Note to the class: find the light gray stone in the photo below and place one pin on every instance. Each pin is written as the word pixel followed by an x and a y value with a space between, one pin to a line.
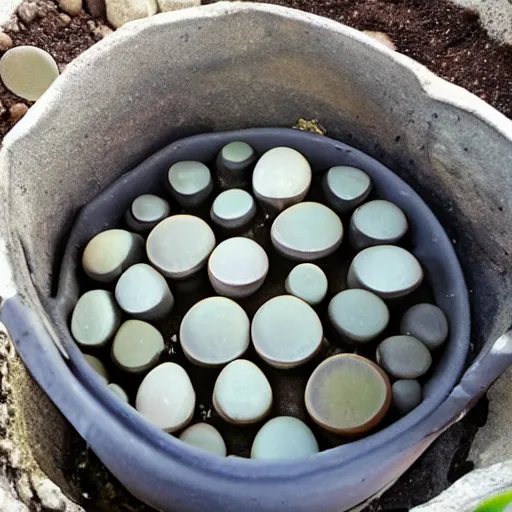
pixel 174 5
pixel 120 12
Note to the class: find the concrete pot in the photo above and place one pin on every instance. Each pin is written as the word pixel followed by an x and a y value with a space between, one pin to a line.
pixel 232 66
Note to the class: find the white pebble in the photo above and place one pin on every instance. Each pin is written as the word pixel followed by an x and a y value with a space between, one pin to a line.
pixel 286 332
pixel 215 331
pixel 205 437
pixel 385 270
pixel 237 267
pixel 307 282
pixel 233 209
pixel 242 393
pixel 191 183
pixel 166 397
pixel 119 391
pixel 143 293
pixel 98 367
pixel 180 245
pixel 284 438
pixel 95 319
pixel 377 223
pixel 110 253
pixel 358 315
pixel 307 232
pixel 147 211
pixel 28 71
pixel 345 187
pixel 282 177
pixel 137 346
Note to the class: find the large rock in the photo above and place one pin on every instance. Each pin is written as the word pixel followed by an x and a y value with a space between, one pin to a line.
pixel 120 12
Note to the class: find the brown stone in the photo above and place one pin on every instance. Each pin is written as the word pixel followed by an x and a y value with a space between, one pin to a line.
pixel 28 12
pixel 5 42
pixel 96 8
pixel 17 111
pixel 71 7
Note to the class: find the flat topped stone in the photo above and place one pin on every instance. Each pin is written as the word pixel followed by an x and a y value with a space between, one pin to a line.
pixel 242 393
pixel 215 331
pixel 143 293
pixel 119 392
pixel 28 71
pixel 348 394
pixel 307 282
pixel 345 187
pixel 282 177
pixel 110 253
pixel 234 164
pixel 237 154
pixel 149 209
pixel 358 315
pixel 205 437
pixel 286 332
pixel 407 395
pixel 404 357
pixel 386 270
pixel 95 319
pixel 427 323
pixel 377 223
pixel 190 182
pixel 98 367
pixel 137 346
pixel 307 231
pixel 284 438
pixel 237 267
pixel 166 397
pixel 179 246
pixel 233 208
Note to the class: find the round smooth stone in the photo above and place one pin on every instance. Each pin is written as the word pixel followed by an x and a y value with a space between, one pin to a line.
pixel 110 253
pixel 98 367
pixel 377 223
pixel 284 438
pixel 242 394
pixel 404 357
pixel 286 332
pixel 143 293
pixel 427 323
pixel 385 270
pixel 282 177
pixel 233 208
pixel 307 282
pixel 407 395
pixel 119 391
pixel 166 397
pixel 180 245
pixel 306 232
pixel 214 332
pixel 28 71
pixel 234 164
pixel 348 394
pixel 358 315
pixel 237 267
pixel 95 319
pixel 146 212
pixel 205 437
pixel 190 182
pixel 345 187
pixel 137 346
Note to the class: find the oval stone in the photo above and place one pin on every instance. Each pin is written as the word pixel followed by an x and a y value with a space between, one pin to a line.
pixel 242 393
pixel 407 395
pixel 385 270
pixel 427 323
pixel 143 293
pixel 234 164
pixel 348 394
pixel 345 187
pixel 166 397
pixel 110 253
pixel 190 183
pixel 214 332
pixel 137 346
pixel 119 392
pixel 95 319
pixel 307 282
pixel 286 332
pixel 146 212
pixel 233 209
pixel 237 267
pixel 282 177
pixel 306 232
pixel 179 246
pixel 404 357
pixel 98 367
pixel 358 315
pixel 205 437
pixel 284 438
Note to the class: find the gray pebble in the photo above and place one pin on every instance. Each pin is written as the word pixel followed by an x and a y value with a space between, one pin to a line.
pixel 407 395
pixel 426 322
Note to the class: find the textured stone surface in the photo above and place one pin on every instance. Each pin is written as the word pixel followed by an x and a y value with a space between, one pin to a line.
pixel 120 12
pixel 173 5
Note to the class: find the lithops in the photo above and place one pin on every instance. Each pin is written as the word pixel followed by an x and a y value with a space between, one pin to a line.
pixel 190 183
pixel 233 209
pixel 307 282
pixel 345 187
pixel 205 437
pixel 234 164
pixel 427 323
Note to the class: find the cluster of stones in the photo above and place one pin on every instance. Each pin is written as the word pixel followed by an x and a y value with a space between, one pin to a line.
pixel 346 394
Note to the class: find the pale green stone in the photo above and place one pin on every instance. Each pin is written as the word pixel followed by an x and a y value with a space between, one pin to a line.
pixel 119 392
pixel 345 187
pixel 205 437
pixel 98 367
pixel 307 282
pixel 233 208
pixel 150 208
